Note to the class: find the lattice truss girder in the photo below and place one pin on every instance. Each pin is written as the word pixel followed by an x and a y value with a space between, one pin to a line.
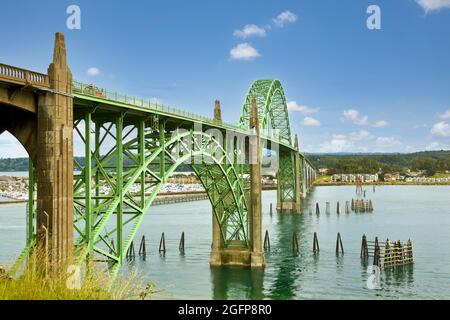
pixel 272 110
pixel 127 161
pixel 286 176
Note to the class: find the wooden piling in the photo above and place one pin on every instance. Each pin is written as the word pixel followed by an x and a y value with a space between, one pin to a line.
pixel 295 246
pixel 316 248
pixel 376 253
pixel 353 205
pixel 364 248
pixel 317 208
pixel 271 208
pixel 181 245
pixel 267 241
pixel 131 254
pixel 339 246
pixel 347 207
pixel 338 209
pixel 162 244
pixel 142 250
pixel 327 208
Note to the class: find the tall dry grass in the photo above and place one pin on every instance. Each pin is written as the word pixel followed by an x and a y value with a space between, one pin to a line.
pixel 34 283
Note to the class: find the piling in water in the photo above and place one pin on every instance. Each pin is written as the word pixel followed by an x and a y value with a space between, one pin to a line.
pixel 267 241
pixel 162 244
pixel 317 208
pixel 338 209
pixel 295 246
pixel 271 208
pixel 181 246
pixel 131 254
pixel 327 208
pixel 316 248
pixel 347 207
pixel 376 254
pixel 142 250
pixel 339 246
pixel 353 205
pixel 364 248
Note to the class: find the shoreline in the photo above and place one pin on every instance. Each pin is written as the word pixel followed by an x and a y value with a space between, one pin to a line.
pixel 390 183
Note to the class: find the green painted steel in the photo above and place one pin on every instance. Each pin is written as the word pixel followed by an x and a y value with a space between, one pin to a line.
pixel 131 148
pixel 272 110
pixel 131 171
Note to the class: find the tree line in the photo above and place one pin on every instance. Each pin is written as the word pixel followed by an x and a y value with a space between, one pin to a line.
pixel 429 162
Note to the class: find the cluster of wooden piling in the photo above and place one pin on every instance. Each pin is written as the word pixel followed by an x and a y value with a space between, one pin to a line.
pixel 361 205
pixel 131 253
pixel 388 255
pixel 356 205
pixel 179 198
pixel 315 246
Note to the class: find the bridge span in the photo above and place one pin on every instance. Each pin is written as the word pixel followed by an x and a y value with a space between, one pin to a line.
pixel 131 147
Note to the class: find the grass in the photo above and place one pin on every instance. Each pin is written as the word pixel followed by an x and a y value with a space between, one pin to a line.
pixel 34 284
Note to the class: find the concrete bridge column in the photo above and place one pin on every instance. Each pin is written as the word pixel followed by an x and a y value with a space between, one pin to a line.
pixel 216 247
pixel 298 191
pixel 255 221
pixel 55 161
pixel 238 253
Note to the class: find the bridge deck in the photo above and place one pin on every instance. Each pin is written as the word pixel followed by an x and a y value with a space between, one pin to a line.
pixel 22 77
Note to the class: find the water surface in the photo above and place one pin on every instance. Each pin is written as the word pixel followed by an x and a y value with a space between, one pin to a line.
pixel 421 213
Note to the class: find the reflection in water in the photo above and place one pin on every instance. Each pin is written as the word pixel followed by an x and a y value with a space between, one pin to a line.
pixel 237 283
pixel 401 277
pixel 401 212
pixel 287 266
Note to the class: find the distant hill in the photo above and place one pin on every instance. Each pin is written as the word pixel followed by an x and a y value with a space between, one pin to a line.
pixel 431 161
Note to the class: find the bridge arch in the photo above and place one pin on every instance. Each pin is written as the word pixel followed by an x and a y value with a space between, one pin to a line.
pixel 272 109
pixel 154 161
pixel 23 126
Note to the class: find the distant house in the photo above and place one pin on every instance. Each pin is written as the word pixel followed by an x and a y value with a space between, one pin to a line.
pixel 392 177
pixel 353 178
pixel 323 171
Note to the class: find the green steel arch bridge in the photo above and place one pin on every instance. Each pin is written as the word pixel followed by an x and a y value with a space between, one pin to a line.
pixel 92 206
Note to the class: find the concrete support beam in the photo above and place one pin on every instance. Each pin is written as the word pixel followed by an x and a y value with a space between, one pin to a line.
pixel 55 161
pixel 255 223
pixel 216 247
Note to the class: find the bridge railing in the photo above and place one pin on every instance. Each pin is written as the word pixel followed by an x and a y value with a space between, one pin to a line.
pixel 146 104
pixel 23 76
pixel 91 90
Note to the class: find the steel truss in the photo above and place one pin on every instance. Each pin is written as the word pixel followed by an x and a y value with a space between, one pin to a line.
pixel 127 161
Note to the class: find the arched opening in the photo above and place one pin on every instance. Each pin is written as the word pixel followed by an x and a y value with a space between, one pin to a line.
pixel 16 213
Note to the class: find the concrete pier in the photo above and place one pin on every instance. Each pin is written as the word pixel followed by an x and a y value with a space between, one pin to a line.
pixel 55 161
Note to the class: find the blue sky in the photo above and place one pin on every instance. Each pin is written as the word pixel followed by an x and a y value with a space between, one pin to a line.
pixel 349 88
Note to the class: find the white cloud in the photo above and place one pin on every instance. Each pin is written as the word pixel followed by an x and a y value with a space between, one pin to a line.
pixel 436 146
pixel 433 5
pixel 380 124
pixel 355 117
pixel 295 107
pixel 347 143
pixel 387 143
pixel 337 143
pixel 445 115
pixel 441 129
pixel 285 17
pixel 244 51
pixel 361 135
pixel 93 72
pixel 311 122
pixel 249 31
